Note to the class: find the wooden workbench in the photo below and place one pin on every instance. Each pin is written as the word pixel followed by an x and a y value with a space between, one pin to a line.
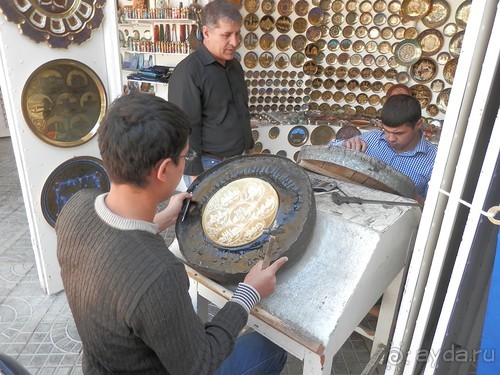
pixel 356 252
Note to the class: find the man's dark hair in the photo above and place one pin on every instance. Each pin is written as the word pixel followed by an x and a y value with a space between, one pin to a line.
pixel 136 132
pixel 401 110
pixel 220 10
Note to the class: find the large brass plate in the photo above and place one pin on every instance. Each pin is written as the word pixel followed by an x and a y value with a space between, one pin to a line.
pixel 63 102
pixel 407 52
pixel 57 22
pixel 238 213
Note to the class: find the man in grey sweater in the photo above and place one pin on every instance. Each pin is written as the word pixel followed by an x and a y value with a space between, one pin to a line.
pixel 127 292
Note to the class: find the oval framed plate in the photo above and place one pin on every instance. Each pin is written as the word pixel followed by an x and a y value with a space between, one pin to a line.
pixel 63 102
pixel 82 172
pixel 298 136
pixel 438 15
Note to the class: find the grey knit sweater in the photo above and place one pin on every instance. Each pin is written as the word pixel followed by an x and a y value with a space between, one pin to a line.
pixel 129 297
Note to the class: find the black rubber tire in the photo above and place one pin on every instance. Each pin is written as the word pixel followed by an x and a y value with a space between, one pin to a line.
pixel 296 216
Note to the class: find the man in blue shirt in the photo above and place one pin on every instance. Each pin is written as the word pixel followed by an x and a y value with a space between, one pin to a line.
pixel 401 142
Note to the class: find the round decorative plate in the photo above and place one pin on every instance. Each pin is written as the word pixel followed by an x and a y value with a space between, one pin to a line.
pixel 301 8
pixel 424 70
pixel 250 41
pixel 438 15
pixel 414 10
pixel 300 25
pixel 456 43
pixel 268 6
pixel 266 41
pixel 462 14
pixel 283 195
pixel 322 135
pixel 437 85
pixel 422 93
pixel 282 61
pixel 251 22
pixel 407 52
pixel 283 24
pixel 315 16
pixel 83 172
pixel 57 22
pixel 431 41
pixel 250 60
pixel 283 42
pixel 285 7
pixel 298 136
pixel 313 33
pixel 251 6
pixel 63 102
pixel 299 42
pixel 442 99
pixel 266 59
pixel 267 23
pixel 450 29
pixel 449 70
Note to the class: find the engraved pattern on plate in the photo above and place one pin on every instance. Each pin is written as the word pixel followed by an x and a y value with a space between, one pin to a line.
pixel 238 213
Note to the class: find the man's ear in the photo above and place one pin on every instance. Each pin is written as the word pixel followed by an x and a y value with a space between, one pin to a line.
pixel 419 124
pixel 163 170
pixel 204 32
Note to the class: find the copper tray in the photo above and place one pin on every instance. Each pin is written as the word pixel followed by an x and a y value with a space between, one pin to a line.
pixel 63 102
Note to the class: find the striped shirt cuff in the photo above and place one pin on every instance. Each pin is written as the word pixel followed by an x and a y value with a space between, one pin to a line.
pixel 246 295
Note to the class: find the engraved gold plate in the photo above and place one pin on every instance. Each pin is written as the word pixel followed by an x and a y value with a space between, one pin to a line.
pixel 442 99
pixel 437 85
pixel 358 46
pixel 386 33
pixel 462 14
pixel 456 41
pixel 365 18
pixel 268 6
pixel 438 15
pixel 338 19
pixel 411 33
pixel 283 24
pixel 266 59
pixel 251 6
pixel 450 29
pixel 449 70
pixel 282 60
pixel 63 102
pixel 337 6
pixel 266 41
pixel 301 8
pixel 250 60
pixel 274 132
pixel 238 213
pixel 365 6
pixel 299 42
pixel 283 42
pixel 57 22
pixel 407 52
pixel 432 110
pixel 356 59
pixel 351 5
pixel 379 19
pixel 329 71
pixel 431 41
pixel 315 16
pixel 393 20
pixel 379 6
pixel 422 93
pixel 394 6
pixel 414 10
pixel 250 41
pixel 313 33
pixel 285 7
pixel 267 23
pixel 251 22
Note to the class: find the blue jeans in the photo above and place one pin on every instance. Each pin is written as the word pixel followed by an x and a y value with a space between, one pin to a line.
pixel 253 354
pixel 207 162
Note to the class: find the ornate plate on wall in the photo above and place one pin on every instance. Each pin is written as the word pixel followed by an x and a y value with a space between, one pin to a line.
pixel 83 172
pixel 424 70
pixel 57 22
pixel 63 102
pixel 407 52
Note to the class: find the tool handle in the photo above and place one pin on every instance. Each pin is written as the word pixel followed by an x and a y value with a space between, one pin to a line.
pixel 267 254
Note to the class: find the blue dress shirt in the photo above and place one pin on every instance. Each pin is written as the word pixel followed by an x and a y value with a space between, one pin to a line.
pixel 417 163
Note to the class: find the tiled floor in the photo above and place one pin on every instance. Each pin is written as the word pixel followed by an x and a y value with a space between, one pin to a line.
pixel 38 330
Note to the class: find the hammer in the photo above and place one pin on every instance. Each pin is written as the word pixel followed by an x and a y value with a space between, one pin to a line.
pixel 269 249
